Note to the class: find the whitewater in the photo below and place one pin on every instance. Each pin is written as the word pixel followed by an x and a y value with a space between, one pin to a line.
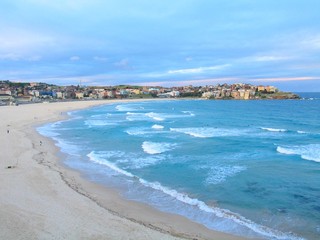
pixel 249 168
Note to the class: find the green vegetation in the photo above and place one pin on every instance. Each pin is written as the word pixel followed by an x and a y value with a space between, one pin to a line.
pixel 191 94
pixel 136 96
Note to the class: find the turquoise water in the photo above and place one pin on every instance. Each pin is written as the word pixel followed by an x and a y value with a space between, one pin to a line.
pixel 251 168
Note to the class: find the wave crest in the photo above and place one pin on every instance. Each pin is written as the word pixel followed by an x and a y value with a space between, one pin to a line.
pixel 274 129
pixel 208 132
pixel 184 198
pixel 156 147
pixel 156 126
pixel 309 152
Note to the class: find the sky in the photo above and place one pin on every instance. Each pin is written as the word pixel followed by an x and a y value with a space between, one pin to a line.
pixel 163 42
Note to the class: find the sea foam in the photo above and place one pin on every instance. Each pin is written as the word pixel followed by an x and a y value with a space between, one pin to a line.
pixel 184 198
pixel 208 132
pixel 156 147
pixel 301 132
pixel 219 174
pixel 156 126
pixel 308 152
pixel 68 147
pixel 100 160
pixel 155 116
pixel 151 116
pixel 274 129
pixel 129 108
pixel 164 116
pixel 132 157
pixel 47 130
pixel 138 131
pixel 136 117
pixel 190 113
pixel 123 160
pixel 99 123
pixel 145 131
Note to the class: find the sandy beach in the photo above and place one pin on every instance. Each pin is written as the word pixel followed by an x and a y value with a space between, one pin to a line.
pixel 42 199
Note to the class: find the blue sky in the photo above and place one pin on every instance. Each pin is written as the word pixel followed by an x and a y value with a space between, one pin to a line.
pixel 168 43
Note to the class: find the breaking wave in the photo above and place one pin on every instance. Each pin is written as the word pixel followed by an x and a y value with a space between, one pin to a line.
pixel 208 132
pixel 129 108
pixel 155 116
pixel 200 205
pixel 274 129
pixel 156 147
pixel 100 160
pixel 156 126
pixel 309 152
pixel 99 123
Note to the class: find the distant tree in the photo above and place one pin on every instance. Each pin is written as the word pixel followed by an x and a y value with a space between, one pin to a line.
pixel 191 94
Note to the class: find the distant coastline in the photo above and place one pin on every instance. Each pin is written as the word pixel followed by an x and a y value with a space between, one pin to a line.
pixel 13 93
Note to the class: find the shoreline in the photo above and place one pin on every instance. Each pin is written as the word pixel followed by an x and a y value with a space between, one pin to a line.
pixel 54 201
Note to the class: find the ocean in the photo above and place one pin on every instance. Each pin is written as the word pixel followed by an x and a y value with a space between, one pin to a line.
pixel 250 168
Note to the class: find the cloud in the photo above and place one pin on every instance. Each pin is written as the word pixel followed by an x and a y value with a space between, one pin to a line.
pixel 74 58
pixel 285 79
pixel 261 42
pixel 198 70
pixel 63 5
pixel 306 66
pixel 195 82
pixel 11 57
pixel 230 80
pixel 19 57
pixel 24 41
pixel 269 58
pixel 93 80
pixel 311 41
pixel 300 42
pixel 16 75
pixel 102 59
pixel 124 63
pixel 34 58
